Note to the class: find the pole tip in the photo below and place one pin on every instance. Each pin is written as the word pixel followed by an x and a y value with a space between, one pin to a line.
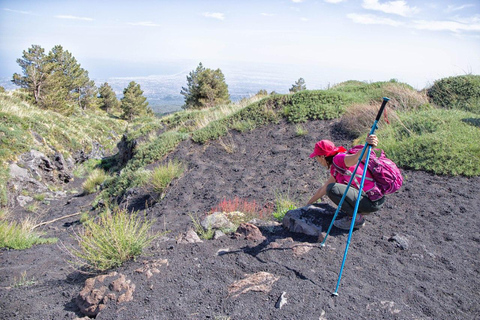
pixel 335 294
pixel 386 99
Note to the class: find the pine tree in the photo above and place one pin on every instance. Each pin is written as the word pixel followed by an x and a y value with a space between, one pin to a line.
pixel 133 103
pixel 298 86
pixel 70 77
pixel 55 81
pixel 36 71
pixel 108 99
pixel 205 88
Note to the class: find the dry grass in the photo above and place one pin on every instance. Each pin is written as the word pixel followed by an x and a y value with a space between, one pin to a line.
pixel 404 98
pixel 359 118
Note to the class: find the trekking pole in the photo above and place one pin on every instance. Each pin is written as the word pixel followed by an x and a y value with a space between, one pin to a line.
pixel 369 147
pixel 374 127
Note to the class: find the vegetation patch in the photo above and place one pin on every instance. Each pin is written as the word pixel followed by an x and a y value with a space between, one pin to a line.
pixel 435 140
pixel 112 239
pixel 21 236
pixel 94 181
pixel 162 176
pixel 461 92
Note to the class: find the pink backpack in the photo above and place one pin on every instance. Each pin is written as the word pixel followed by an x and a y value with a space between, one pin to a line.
pixel 386 175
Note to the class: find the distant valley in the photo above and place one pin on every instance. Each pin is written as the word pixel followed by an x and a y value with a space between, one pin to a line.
pixel 163 91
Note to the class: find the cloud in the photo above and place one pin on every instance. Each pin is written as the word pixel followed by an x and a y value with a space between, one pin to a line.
pixel 17 11
pixel 399 7
pixel 372 19
pixel 214 15
pixel 458 25
pixel 451 8
pixel 304 19
pixel 73 18
pixel 446 25
pixel 334 1
pixel 267 14
pixel 144 24
pixel 297 1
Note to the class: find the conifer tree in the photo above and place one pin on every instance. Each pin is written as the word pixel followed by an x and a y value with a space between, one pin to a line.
pixel 55 81
pixel 205 88
pixel 299 85
pixel 133 103
pixel 69 77
pixel 36 71
pixel 108 99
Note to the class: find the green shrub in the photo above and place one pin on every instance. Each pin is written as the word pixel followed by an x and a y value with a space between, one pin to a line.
pixel 20 236
pixel 151 151
pixel 437 140
pixel 163 175
pixel 114 238
pixel 461 92
pixel 317 104
pixel 128 178
pixel 212 131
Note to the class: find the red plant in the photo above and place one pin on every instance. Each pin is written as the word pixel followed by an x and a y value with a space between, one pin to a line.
pixel 242 205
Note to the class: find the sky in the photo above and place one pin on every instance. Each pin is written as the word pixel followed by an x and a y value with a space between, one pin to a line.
pixel 323 41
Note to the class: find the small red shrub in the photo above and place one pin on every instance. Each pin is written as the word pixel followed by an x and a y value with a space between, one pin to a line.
pixel 250 208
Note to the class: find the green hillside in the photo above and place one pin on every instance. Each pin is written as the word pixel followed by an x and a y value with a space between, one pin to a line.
pixel 421 135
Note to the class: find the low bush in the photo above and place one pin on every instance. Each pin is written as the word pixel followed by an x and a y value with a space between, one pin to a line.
pixel 460 92
pixel 436 140
pixel 313 105
pixel 112 239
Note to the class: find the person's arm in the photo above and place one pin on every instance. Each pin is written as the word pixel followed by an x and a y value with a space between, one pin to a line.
pixel 352 159
pixel 322 191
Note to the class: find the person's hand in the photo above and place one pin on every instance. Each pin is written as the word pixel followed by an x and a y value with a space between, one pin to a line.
pixel 372 140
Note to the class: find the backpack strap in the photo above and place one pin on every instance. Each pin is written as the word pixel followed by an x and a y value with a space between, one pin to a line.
pixel 349 173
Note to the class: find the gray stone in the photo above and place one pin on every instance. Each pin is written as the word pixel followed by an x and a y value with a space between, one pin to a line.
pixel 216 220
pixel 301 221
pixel 281 300
pixel 218 234
pixel 189 237
pixel 400 241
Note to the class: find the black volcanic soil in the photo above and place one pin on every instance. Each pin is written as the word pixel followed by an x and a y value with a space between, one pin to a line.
pixel 435 275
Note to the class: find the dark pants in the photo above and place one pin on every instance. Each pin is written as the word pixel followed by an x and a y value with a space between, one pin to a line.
pixel 335 192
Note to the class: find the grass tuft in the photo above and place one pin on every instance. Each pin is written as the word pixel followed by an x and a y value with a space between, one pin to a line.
pixel 162 176
pixel 20 236
pixel 94 181
pixel 114 238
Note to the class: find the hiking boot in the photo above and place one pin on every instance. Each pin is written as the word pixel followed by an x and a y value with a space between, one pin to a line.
pixel 345 222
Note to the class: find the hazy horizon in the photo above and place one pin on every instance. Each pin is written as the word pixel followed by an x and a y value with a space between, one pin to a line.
pixel 323 41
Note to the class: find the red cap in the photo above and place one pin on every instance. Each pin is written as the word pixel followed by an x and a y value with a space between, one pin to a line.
pixel 326 148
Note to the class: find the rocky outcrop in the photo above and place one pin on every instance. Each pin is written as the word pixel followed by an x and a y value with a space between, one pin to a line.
pixel 34 172
pixel 126 150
